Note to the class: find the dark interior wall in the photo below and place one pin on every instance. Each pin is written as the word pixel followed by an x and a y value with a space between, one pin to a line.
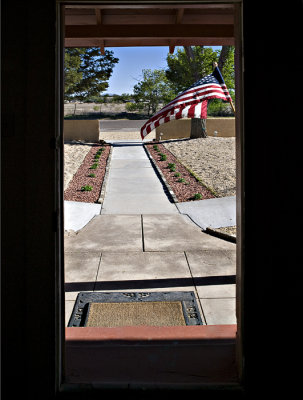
pixel 28 196
pixel 273 277
pixel 272 254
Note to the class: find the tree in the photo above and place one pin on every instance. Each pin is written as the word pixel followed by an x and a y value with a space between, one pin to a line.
pixel 154 89
pixel 193 63
pixel 189 64
pixel 86 72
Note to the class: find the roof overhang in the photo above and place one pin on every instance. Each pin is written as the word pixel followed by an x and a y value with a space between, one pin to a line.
pixel 169 25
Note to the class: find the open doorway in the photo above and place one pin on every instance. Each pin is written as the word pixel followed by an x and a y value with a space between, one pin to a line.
pixel 150 244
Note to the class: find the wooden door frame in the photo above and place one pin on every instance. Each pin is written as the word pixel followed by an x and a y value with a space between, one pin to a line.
pixel 240 182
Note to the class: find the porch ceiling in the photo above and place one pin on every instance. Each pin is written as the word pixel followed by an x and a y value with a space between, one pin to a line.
pixel 149 25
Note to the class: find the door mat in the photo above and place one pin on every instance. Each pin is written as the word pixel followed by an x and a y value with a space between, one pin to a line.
pixel 96 309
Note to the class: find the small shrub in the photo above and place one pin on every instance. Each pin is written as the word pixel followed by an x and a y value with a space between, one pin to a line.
pixel 163 157
pixel 177 174
pixel 171 165
pixel 86 188
pixel 94 166
pixel 181 180
pixel 92 175
pixel 155 147
pixel 97 156
pixel 198 196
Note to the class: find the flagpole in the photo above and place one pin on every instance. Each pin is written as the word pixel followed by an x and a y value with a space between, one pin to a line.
pixel 215 64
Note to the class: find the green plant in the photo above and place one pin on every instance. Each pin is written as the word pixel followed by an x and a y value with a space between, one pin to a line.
pixel 172 166
pixel 155 147
pixel 198 196
pixel 94 166
pixel 86 188
pixel 92 175
pixel 163 157
pixel 99 152
pixel 181 180
pixel 97 156
pixel 177 174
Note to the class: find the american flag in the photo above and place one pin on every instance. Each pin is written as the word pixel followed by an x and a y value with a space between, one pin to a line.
pixel 192 103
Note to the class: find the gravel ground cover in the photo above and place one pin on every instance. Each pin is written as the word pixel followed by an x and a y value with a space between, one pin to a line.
pixel 212 159
pixel 82 180
pixel 185 185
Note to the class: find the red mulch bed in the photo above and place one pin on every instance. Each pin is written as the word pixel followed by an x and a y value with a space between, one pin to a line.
pixel 184 191
pixel 81 177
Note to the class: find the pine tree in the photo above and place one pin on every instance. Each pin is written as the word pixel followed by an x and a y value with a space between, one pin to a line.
pixel 86 72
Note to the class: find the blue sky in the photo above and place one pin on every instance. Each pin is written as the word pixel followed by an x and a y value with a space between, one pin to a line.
pixel 132 60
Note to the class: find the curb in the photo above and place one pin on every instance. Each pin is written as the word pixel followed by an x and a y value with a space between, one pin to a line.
pixel 103 187
pixel 221 235
pixel 159 172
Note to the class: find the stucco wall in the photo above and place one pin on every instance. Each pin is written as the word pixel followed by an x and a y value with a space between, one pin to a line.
pixel 87 130
pixel 177 129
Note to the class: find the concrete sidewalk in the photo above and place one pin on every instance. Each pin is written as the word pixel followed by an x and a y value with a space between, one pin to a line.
pixel 132 185
pixel 139 241
pixel 133 188
pixel 149 253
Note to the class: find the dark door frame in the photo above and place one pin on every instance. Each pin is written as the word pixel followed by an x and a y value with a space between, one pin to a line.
pixel 239 163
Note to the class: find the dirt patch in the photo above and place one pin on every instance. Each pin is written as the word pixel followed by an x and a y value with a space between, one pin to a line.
pixel 184 184
pixel 82 178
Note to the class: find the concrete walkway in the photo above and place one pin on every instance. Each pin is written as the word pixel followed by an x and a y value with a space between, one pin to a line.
pixel 132 186
pixel 140 241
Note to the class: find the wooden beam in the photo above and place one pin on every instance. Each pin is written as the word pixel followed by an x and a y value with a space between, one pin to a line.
pixel 179 15
pixel 151 19
pixel 141 42
pixel 98 16
pixel 149 31
pixel 174 6
pixel 102 47
pixel 99 22
pixel 171 49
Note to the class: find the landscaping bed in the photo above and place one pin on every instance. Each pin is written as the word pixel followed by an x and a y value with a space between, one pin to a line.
pixel 86 183
pixel 183 183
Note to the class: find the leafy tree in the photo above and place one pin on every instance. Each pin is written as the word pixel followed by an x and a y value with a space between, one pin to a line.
pixel 86 72
pixel 152 91
pixel 189 64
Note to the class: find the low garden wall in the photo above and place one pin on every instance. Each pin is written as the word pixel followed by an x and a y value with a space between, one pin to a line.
pixel 86 130
pixel 178 129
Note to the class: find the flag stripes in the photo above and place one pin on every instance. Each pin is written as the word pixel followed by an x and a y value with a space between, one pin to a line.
pixel 192 103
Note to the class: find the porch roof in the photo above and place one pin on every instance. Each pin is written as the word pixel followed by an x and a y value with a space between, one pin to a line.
pixel 124 25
